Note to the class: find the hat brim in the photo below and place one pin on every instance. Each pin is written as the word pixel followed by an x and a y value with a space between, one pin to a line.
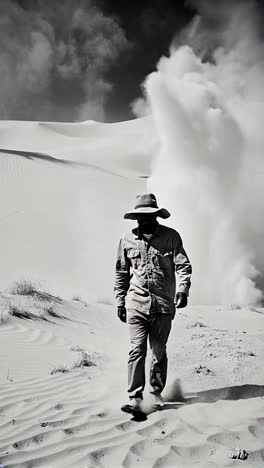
pixel 161 212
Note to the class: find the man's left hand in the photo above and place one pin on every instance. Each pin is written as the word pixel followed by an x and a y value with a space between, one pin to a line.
pixel 181 300
pixel 121 312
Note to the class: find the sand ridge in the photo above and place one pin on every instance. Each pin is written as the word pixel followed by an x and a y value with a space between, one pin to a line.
pixel 74 418
pixel 39 431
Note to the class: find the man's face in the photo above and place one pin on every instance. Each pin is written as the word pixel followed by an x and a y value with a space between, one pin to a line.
pixel 146 221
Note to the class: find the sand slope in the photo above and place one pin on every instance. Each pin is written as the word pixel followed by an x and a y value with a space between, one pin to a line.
pixel 73 419
pixel 122 148
pixel 62 187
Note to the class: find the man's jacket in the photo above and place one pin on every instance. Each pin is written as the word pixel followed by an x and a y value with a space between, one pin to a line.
pixel 145 270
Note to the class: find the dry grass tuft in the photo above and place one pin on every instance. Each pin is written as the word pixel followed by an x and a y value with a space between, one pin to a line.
pixel 28 288
pixel 86 360
pixel 62 369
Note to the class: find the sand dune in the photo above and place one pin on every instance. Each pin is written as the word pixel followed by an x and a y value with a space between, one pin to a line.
pixel 55 179
pixel 74 418
pixel 124 148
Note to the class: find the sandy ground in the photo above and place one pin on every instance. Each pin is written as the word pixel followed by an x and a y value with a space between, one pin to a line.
pixel 73 418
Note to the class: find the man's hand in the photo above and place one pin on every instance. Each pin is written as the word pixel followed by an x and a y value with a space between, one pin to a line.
pixel 121 312
pixel 181 300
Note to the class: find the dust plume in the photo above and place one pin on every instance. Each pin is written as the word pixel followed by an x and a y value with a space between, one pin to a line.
pixel 207 104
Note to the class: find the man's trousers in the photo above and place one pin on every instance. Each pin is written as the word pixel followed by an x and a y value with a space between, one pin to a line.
pixel 157 328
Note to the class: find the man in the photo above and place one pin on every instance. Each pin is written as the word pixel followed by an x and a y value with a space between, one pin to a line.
pixel 145 292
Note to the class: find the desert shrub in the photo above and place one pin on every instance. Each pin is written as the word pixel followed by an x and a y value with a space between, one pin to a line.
pixel 23 288
pixel 25 302
pixel 28 288
pixel 86 360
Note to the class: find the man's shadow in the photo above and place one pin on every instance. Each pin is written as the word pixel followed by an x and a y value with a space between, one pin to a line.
pixel 238 392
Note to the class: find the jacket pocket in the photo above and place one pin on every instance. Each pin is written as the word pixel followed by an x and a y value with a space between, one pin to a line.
pixel 134 256
pixel 162 260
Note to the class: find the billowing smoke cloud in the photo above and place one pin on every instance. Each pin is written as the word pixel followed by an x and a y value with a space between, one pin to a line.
pixel 54 58
pixel 210 166
pixel 140 107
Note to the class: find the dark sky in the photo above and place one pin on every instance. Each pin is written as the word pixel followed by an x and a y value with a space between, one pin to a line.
pixel 150 27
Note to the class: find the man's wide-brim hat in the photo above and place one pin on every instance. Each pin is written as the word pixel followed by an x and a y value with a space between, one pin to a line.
pixel 147 204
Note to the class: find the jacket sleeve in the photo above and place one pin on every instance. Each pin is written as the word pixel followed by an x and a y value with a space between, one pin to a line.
pixel 122 275
pixel 182 265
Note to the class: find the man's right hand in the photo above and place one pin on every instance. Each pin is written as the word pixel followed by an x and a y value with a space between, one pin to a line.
pixel 121 312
